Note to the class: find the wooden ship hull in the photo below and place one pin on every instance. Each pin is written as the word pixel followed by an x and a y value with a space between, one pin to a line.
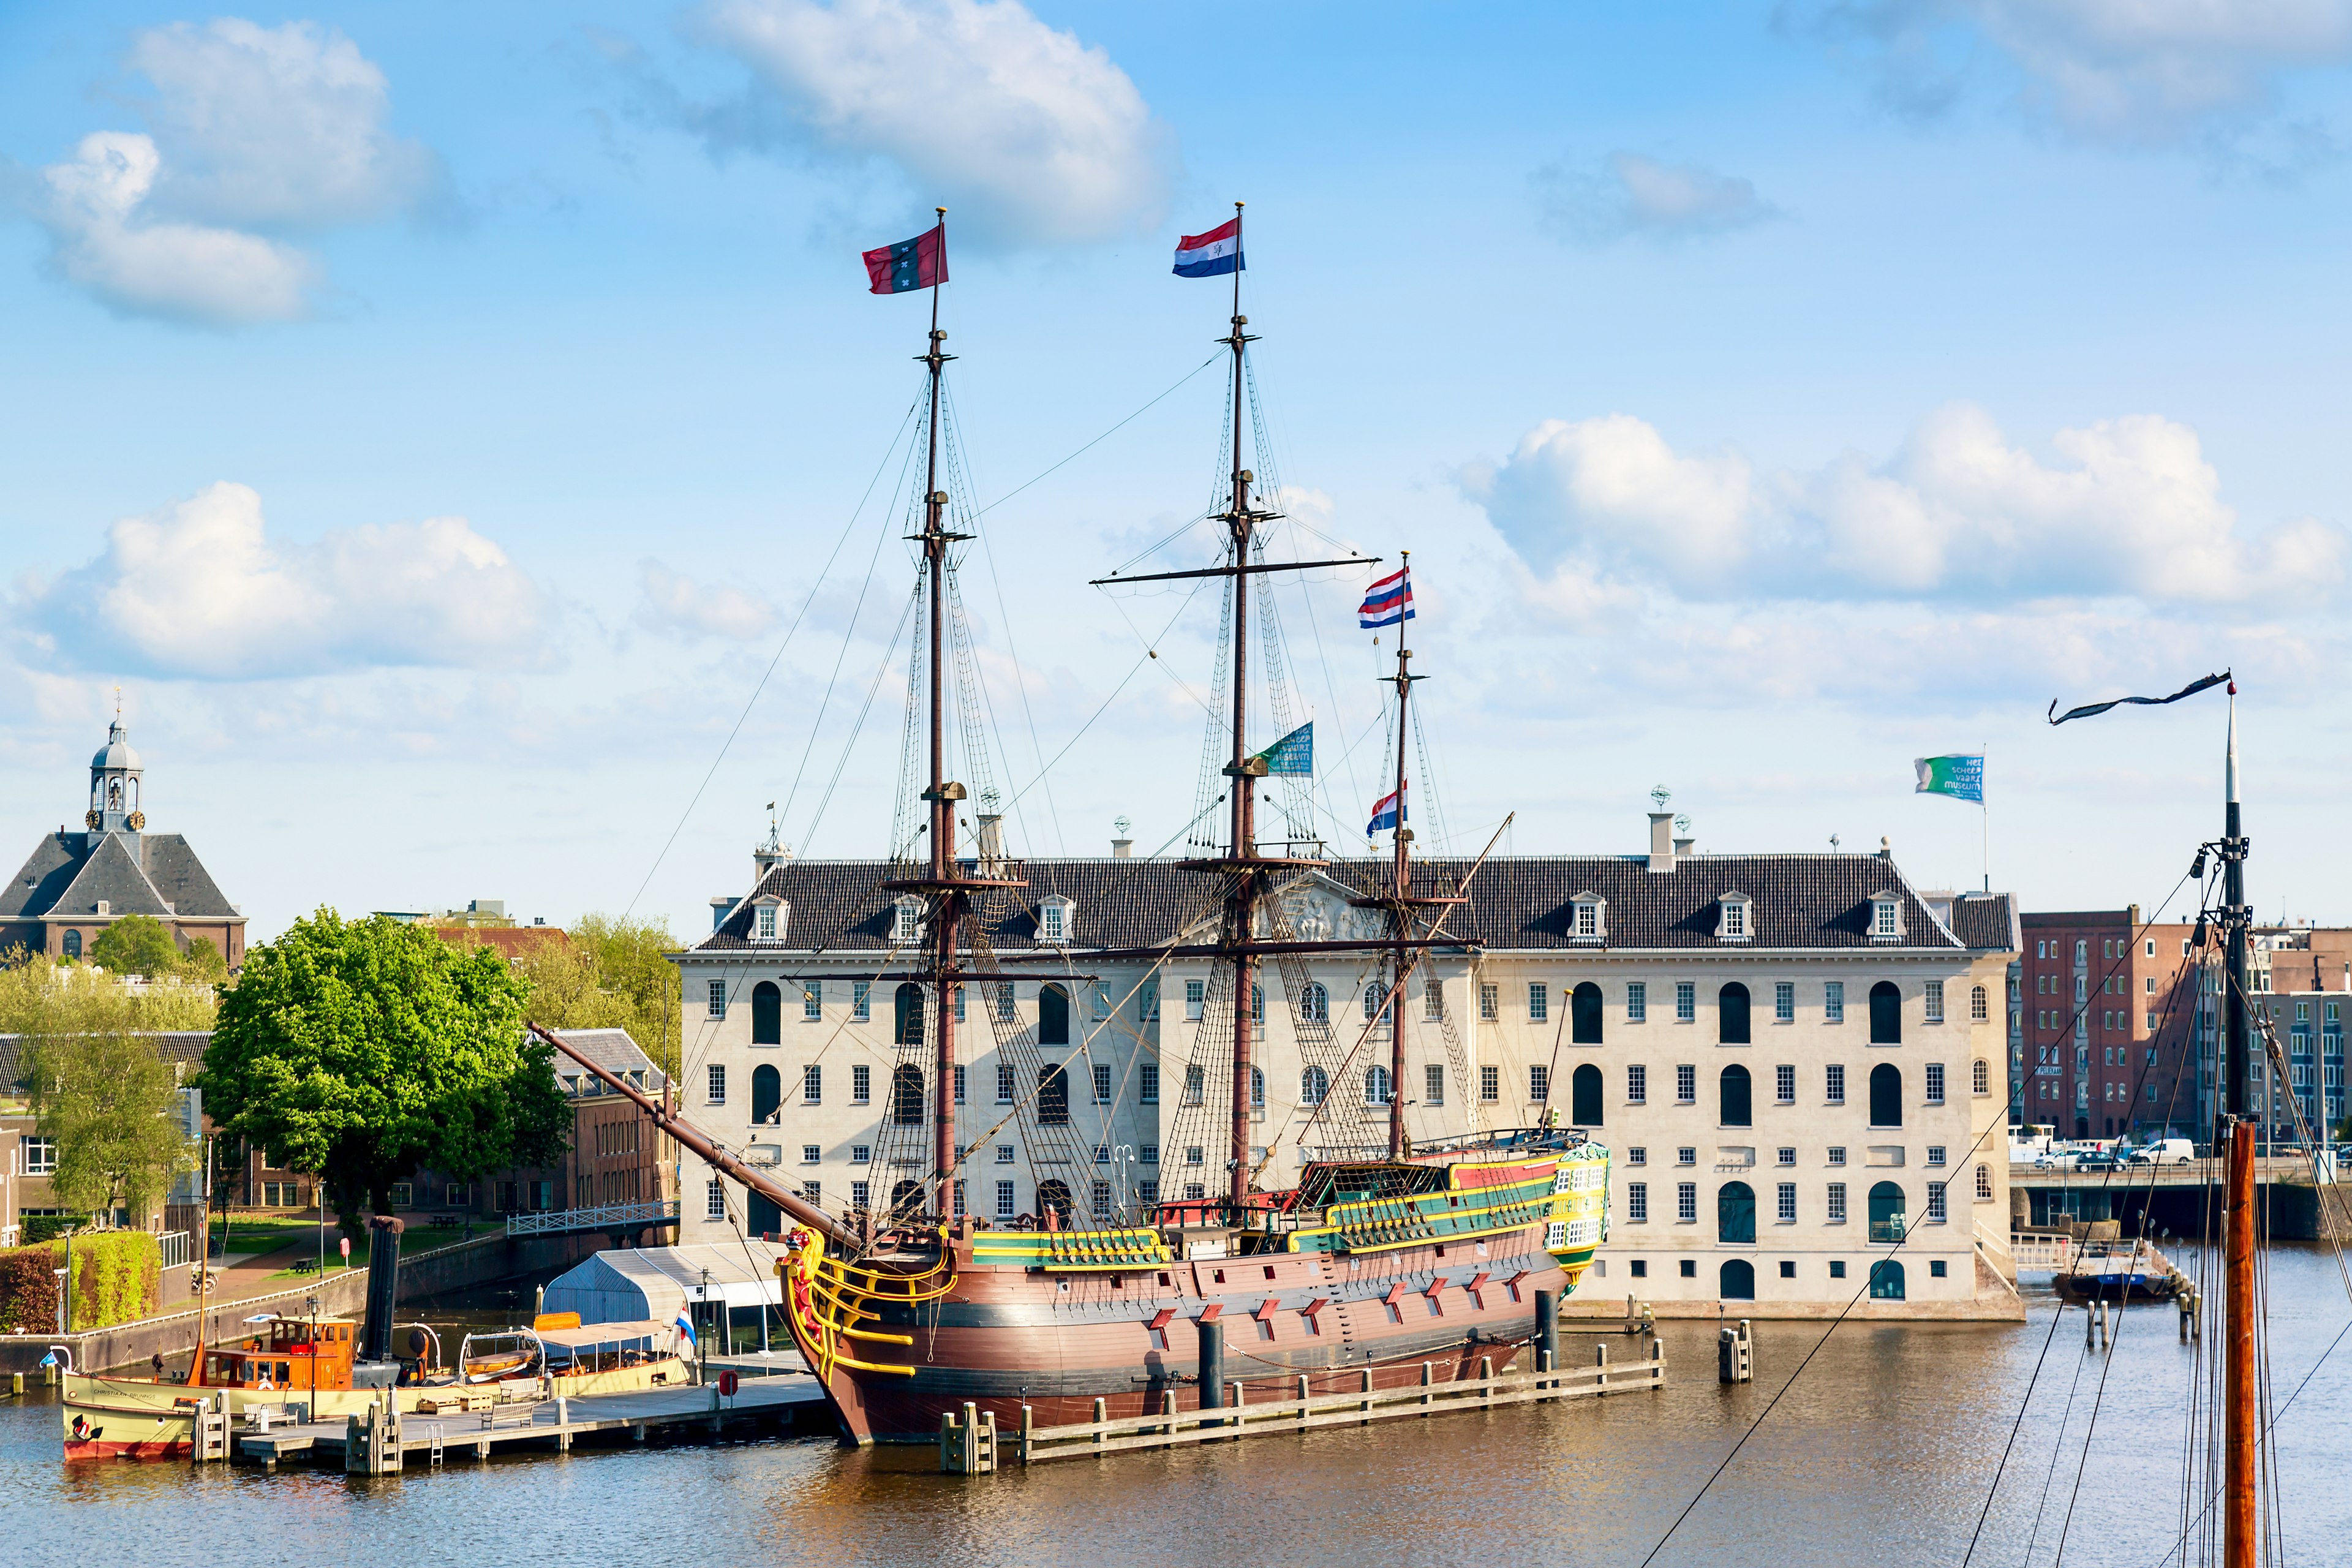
pixel 1057 1321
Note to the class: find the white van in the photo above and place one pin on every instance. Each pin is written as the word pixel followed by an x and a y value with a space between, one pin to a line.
pixel 2164 1152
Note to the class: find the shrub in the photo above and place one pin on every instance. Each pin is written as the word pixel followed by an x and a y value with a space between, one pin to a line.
pixel 117 1277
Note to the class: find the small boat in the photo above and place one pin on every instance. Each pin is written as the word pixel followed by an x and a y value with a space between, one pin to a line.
pixel 2111 1271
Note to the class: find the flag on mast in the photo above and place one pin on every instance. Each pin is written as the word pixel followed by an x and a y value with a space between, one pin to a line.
pixel 1293 756
pixel 1388 812
pixel 1959 777
pixel 917 263
pixel 1388 601
pixel 1211 255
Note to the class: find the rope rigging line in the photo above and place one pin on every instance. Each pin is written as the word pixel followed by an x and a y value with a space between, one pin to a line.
pixel 1114 430
pixel 762 684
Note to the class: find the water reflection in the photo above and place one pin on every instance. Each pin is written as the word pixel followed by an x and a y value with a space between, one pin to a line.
pixel 1880 1453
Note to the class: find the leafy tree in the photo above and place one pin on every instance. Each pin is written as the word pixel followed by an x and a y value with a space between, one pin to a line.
pixel 359 1050
pixel 107 1096
pixel 611 974
pixel 136 944
pixel 30 984
pixel 203 962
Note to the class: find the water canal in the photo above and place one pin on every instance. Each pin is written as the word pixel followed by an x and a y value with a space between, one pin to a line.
pixel 1880 1453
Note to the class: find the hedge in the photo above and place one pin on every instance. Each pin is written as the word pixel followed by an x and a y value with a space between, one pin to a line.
pixel 117 1278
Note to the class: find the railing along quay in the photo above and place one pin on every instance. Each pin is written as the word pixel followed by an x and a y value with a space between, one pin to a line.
pixel 1170 1428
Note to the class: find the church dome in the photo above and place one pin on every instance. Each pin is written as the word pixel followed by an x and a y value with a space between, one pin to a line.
pixel 116 752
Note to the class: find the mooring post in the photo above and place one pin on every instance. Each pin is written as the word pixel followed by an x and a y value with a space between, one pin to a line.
pixel 1302 1401
pixel 1486 1381
pixel 1547 1329
pixel 1102 1414
pixel 1657 1366
pixel 969 1438
pixel 1212 1366
pixel 1367 1405
pixel 1029 1430
pixel 1600 1359
pixel 1236 1396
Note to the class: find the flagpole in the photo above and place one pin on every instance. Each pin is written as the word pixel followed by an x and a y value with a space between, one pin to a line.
pixel 1984 811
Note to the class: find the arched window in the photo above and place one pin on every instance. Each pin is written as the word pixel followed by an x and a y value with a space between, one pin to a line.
pixel 1054 1199
pixel 1376 1086
pixel 73 944
pixel 1313 1085
pixel 1887 1218
pixel 1736 1097
pixel 906 1096
pixel 1053 1015
pixel 1257 1086
pixel 1053 1096
pixel 1982 1078
pixel 1886 1280
pixel 1584 1015
pixel 1372 994
pixel 767 1093
pixel 1731 1015
pixel 767 1015
pixel 906 1200
pixel 1737 1280
pixel 908 1020
pixel 1886 1095
pixel 1979 1005
pixel 1257 1003
pixel 1584 1096
pixel 1886 1015
pixel 1735 1213
pixel 1984 1184
pixel 1314 1005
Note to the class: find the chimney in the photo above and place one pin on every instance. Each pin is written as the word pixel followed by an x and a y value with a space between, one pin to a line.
pixel 1685 848
pixel 718 908
pixel 1662 841
pixel 1121 849
pixel 991 837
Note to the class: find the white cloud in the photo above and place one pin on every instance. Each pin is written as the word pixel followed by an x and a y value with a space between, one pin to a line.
pixel 251 130
pixel 2124 69
pixel 677 606
pixel 2129 508
pixel 275 126
pixel 200 591
pixel 1633 194
pixel 182 271
pixel 1027 136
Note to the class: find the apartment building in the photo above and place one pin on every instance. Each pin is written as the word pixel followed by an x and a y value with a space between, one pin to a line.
pixel 1799 1061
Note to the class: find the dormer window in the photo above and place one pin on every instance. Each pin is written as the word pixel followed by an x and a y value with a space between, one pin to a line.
pixel 907 921
pixel 1885 917
pixel 1053 917
pixel 1734 918
pixel 770 919
pixel 1588 917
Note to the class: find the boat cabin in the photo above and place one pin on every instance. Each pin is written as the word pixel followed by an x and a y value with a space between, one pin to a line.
pixel 289 1353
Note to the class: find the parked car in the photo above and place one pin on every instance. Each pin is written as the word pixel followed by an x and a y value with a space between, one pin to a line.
pixel 2163 1151
pixel 2098 1160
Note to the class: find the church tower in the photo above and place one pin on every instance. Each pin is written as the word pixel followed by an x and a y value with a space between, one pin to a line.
pixel 114 805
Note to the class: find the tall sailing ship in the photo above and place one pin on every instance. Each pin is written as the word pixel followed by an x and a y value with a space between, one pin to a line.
pixel 913 1312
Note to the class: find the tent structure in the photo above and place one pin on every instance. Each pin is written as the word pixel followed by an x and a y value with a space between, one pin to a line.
pixel 630 1285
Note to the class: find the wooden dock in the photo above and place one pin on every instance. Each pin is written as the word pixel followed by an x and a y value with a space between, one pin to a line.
pixel 1170 1428
pixel 368 1445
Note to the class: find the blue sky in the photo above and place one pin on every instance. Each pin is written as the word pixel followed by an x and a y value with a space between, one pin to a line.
pixel 432 418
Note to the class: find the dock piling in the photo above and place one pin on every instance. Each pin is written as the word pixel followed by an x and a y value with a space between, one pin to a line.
pixel 1212 1364
pixel 1302 1401
pixel 1102 1414
pixel 1735 1353
pixel 1546 1341
pixel 1600 1362
pixel 1486 1381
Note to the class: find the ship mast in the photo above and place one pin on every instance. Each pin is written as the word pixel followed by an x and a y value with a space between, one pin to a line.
pixel 1241 847
pixel 2240 1537
pixel 1401 889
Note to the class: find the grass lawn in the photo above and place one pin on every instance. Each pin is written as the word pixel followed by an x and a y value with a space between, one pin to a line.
pixel 417 1239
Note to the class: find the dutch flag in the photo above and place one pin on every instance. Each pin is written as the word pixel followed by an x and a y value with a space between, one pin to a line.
pixel 1388 812
pixel 1388 601
pixel 1213 254
pixel 686 1331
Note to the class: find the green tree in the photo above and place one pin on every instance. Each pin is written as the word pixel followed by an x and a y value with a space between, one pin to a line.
pixel 359 1050
pixel 107 1096
pixel 136 944
pixel 203 963
pixel 613 975
pixel 30 984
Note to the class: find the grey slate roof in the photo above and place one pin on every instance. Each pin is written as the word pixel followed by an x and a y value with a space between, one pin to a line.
pixel 175 1045
pixel 1986 922
pixel 613 1050
pixel 65 875
pixel 1517 902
